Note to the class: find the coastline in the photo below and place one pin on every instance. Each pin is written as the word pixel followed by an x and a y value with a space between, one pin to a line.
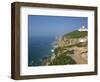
pixel 46 60
pixel 68 51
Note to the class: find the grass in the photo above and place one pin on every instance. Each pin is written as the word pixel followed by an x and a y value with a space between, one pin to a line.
pixel 77 45
pixel 62 60
pixel 57 50
pixel 76 34
pixel 70 52
pixel 82 44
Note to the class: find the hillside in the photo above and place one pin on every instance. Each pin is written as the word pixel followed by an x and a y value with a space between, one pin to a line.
pixel 70 49
pixel 76 34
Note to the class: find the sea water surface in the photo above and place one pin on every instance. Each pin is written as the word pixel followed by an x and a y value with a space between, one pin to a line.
pixel 38 48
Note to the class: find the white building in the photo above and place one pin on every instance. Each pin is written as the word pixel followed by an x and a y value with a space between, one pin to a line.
pixel 83 29
pixel 83 39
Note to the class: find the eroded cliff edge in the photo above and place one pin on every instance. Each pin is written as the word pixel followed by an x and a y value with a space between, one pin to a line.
pixel 70 48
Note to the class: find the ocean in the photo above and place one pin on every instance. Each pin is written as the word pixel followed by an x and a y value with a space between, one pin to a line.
pixel 38 48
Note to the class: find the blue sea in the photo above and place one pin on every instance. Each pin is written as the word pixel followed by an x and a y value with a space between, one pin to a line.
pixel 38 48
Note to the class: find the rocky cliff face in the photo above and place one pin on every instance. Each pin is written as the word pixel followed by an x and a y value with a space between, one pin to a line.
pixel 70 49
pixel 80 55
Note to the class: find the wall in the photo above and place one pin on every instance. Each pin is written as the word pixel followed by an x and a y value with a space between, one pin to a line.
pixel 5 40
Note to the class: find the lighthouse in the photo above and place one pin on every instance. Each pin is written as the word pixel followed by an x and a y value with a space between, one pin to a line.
pixel 83 29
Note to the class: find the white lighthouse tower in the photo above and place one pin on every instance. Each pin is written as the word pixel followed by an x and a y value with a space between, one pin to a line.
pixel 83 29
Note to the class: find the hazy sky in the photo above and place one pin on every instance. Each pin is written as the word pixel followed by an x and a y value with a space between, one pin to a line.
pixel 54 25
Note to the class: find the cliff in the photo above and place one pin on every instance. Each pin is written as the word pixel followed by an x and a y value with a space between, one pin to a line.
pixel 71 48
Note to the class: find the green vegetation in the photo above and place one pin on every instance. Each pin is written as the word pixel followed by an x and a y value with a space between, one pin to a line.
pixel 58 50
pixel 82 44
pixel 69 46
pixel 63 60
pixel 76 34
pixel 77 45
pixel 61 50
pixel 63 54
pixel 70 52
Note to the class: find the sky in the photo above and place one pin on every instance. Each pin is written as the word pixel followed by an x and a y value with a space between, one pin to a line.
pixel 39 25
